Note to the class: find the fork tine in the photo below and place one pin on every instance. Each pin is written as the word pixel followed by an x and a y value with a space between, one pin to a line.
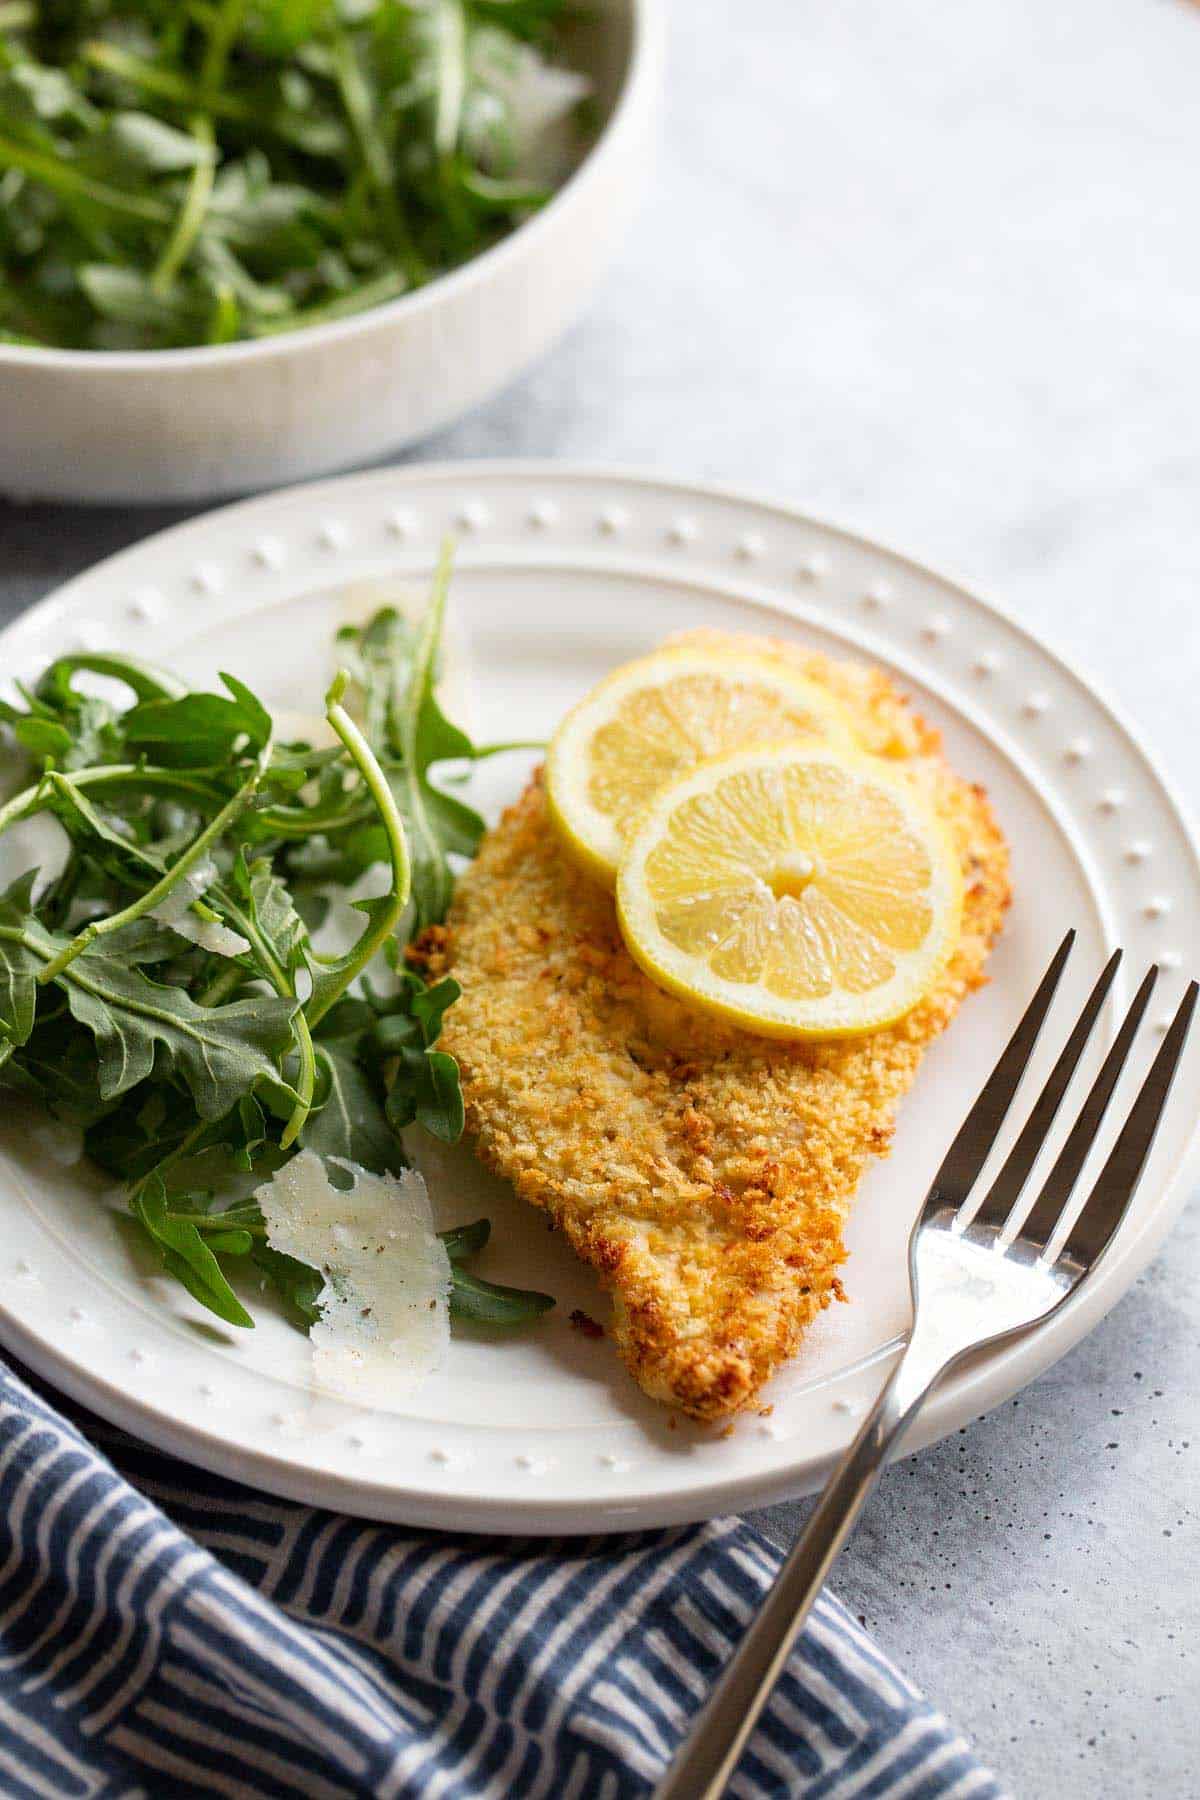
pixel 1047 1209
pixel 1104 1208
pixel 1005 1191
pixel 977 1133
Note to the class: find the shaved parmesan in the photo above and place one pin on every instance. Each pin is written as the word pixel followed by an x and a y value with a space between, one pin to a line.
pixel 385 1306
pixel 176 911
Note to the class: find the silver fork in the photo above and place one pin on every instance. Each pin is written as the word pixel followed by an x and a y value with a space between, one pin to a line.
pixel 977 1279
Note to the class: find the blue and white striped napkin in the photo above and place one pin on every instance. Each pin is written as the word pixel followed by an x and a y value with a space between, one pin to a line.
pixel 165 1632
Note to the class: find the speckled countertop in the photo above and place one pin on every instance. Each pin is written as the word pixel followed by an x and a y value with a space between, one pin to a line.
pixel 932 268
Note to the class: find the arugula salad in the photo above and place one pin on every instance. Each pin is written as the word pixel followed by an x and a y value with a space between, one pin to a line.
pixel 163 991
pixel 175 174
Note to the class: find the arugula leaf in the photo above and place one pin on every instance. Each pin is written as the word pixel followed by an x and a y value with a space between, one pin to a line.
pixel 435 822
pixel 200 729
pixel 331 979
pixel 426 1091
pixel 195 1070
pixel 185 1254
pixel 42 737
pixel 272 911
pixel 347 1119
pixel 57 1067
pixel 74 809
pixel 430 1004
pixel 464 1241
pixel 186 175
pixel 220 1052
pixel 142 679
pixel 299 1286
pixel 488 1303
pixel 136 143
pixel 19 964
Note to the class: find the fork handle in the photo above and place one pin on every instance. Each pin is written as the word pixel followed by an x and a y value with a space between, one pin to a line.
pixel 719 1733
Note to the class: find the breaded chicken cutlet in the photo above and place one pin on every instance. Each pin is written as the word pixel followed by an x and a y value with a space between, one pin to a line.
pixel 704 1172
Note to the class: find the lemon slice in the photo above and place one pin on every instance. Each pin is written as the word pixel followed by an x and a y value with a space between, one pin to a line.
pixel 654 719
pixel 799 891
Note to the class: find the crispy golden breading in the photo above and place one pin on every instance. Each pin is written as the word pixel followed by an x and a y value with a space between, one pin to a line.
pixel 704 1172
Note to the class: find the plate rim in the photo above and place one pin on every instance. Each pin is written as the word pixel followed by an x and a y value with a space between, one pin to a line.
pixel 979 1389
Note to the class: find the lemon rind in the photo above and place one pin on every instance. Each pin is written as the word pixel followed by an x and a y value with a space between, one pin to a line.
pixel 589 839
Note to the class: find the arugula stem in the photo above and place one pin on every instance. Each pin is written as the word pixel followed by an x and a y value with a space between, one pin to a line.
pixel 170 781
pixel 179 245
pixel 306 821
pixel 54 173
pixel 224 29
pixel 388 917
pixel 480 751
pixel 212 833
pixel 306 1082
pixel 199 190
pixel 284 984
pixel 452 71
pixel 419 683
pixel 372 146
pixel 166 83
pixel 142 679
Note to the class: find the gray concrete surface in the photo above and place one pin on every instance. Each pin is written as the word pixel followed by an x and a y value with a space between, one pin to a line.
pixel 932 268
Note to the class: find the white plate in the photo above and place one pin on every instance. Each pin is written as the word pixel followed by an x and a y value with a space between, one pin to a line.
pixel 562 574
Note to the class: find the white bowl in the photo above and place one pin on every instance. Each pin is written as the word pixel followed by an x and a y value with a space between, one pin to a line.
pixel 194 424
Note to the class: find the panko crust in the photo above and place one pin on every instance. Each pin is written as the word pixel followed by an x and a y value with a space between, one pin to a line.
pixel 704 1172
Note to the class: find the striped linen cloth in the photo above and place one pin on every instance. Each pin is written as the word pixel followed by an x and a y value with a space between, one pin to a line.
pixel 165 1632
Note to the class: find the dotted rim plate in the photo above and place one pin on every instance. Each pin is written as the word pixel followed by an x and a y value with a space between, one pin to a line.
pixel 1059 761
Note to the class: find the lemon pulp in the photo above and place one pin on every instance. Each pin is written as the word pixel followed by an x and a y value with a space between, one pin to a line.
pixel 800 891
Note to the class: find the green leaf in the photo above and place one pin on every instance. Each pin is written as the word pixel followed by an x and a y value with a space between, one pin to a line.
pixel 436 823
pixel 138 143
pixel 299 1286
pixel 219 1051
pixel 429 1005
pixel 353 148
pixel 465 1241
pixel 71 805
pixel 281 26
pixel 19 964
pixel 258 719
pixel 33 91
pixel 42 737
pixel 58 1067
pixel 185 1254
pixel 488 1303
pixel 142 679
pixel 272 911
pixel 200 729
pixel 347 1119
pixel 129 298
pixel 229 1243
pixel 187 1092
pixel 398 1029
pixel 426 1091
pixel 439 1096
